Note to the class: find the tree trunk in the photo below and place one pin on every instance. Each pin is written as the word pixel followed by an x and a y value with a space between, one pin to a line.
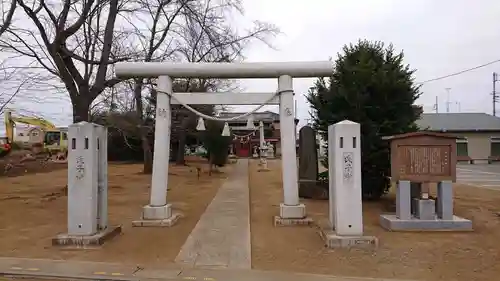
pixel 143 130
pixel 148 155
pixel 80 109
pixel 182 142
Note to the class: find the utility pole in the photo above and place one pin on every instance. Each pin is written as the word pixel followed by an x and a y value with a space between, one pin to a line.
pixel 494 93
pixel 448 100
pixel 436 105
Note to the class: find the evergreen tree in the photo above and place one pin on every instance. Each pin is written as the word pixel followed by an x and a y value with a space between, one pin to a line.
pixel 216 145
pixel 370 85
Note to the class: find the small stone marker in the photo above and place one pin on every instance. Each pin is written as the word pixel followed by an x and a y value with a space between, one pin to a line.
pixel 344 168
pixel 418 159
pixel 270 151
pixel 255 152
pixel 308 162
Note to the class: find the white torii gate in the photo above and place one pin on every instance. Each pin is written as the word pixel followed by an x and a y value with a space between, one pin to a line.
pixel 158 212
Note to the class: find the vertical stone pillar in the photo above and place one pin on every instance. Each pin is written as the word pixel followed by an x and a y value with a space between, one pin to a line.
pixel 290 208
pixel 346 211
pixel 83 165
pixel 445 200
pixel 403 200
pixel 158 212
pixel 102 177
pixel 87 188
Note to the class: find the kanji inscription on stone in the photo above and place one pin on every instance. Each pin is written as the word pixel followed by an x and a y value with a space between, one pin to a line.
pixel 80 167
pixel 162 112
pixel 348 165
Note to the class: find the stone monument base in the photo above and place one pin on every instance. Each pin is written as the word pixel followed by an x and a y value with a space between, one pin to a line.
pixel 279 221
pixel 391 222
pixel 292 215
pixel 263 169
pixel 333 241
pixel 157 216
pixel 157 223
pixel 86 241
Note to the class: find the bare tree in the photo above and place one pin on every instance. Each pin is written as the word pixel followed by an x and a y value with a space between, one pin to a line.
pixel 23 85
pixel 7 8
pixel 71 40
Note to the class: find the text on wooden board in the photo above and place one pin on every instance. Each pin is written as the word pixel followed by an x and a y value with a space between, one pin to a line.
pixel 424 160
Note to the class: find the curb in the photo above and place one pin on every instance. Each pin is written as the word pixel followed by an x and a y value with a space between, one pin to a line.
pixel 8 274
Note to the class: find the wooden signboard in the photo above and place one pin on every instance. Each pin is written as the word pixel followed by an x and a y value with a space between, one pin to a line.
pixel 423 157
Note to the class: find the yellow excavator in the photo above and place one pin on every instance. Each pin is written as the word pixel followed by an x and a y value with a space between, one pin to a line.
pixel 54 140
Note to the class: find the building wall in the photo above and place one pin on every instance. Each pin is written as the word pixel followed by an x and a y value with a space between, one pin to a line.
pixel 479 144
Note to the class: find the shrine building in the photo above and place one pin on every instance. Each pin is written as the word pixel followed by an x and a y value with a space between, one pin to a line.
pixel 245 139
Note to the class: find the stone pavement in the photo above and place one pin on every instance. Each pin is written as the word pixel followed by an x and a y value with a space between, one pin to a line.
pixel 38 269
pixel 221 238
pixel 484 176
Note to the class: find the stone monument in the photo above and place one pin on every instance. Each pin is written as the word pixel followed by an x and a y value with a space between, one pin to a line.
pixel 417 160
pixel 87 188
pixel 344 169
pixel 270 151
pixel 308 162
pixel 231 152
pixel 255 152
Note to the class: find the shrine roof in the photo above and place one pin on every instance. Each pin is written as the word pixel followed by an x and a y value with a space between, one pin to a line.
pixel 420 134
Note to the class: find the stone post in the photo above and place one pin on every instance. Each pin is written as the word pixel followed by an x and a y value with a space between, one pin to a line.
pixel 346 214
pixel 83 169
pixel 87 188
pixel 344 169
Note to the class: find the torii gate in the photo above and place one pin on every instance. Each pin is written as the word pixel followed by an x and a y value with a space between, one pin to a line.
pixel 158 212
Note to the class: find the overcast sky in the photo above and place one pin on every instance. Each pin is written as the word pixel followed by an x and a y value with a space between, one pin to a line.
pixel 438 38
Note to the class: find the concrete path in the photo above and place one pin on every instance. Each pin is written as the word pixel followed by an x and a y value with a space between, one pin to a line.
pixel 40 269
pixel 221 238
pixel 484 176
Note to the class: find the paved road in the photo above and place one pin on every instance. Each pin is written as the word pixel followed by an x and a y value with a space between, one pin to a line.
pixel 485 176
pixel 36 269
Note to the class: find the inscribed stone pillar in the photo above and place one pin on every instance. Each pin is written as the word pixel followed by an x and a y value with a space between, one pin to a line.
pixel 308 161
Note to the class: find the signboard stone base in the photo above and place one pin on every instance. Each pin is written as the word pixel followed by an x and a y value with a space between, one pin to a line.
pixel 392 223
pixel 425 209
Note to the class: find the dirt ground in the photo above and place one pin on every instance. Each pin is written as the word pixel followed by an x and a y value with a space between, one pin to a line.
pixel 33 211
pixel 415 256
pixel 16 168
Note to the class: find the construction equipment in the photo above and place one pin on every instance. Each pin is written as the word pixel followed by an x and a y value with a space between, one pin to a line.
pixel 5 147
pixel 53 141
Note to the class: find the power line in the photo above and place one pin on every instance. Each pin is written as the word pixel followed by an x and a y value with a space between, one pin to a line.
pixel 458 73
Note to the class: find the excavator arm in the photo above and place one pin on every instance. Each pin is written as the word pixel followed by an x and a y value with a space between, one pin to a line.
pixel 9 126
pixel 10 123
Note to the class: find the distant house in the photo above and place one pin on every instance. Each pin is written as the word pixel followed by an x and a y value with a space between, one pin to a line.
pixel 244 140
pixel 478 133
pixel 28 135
